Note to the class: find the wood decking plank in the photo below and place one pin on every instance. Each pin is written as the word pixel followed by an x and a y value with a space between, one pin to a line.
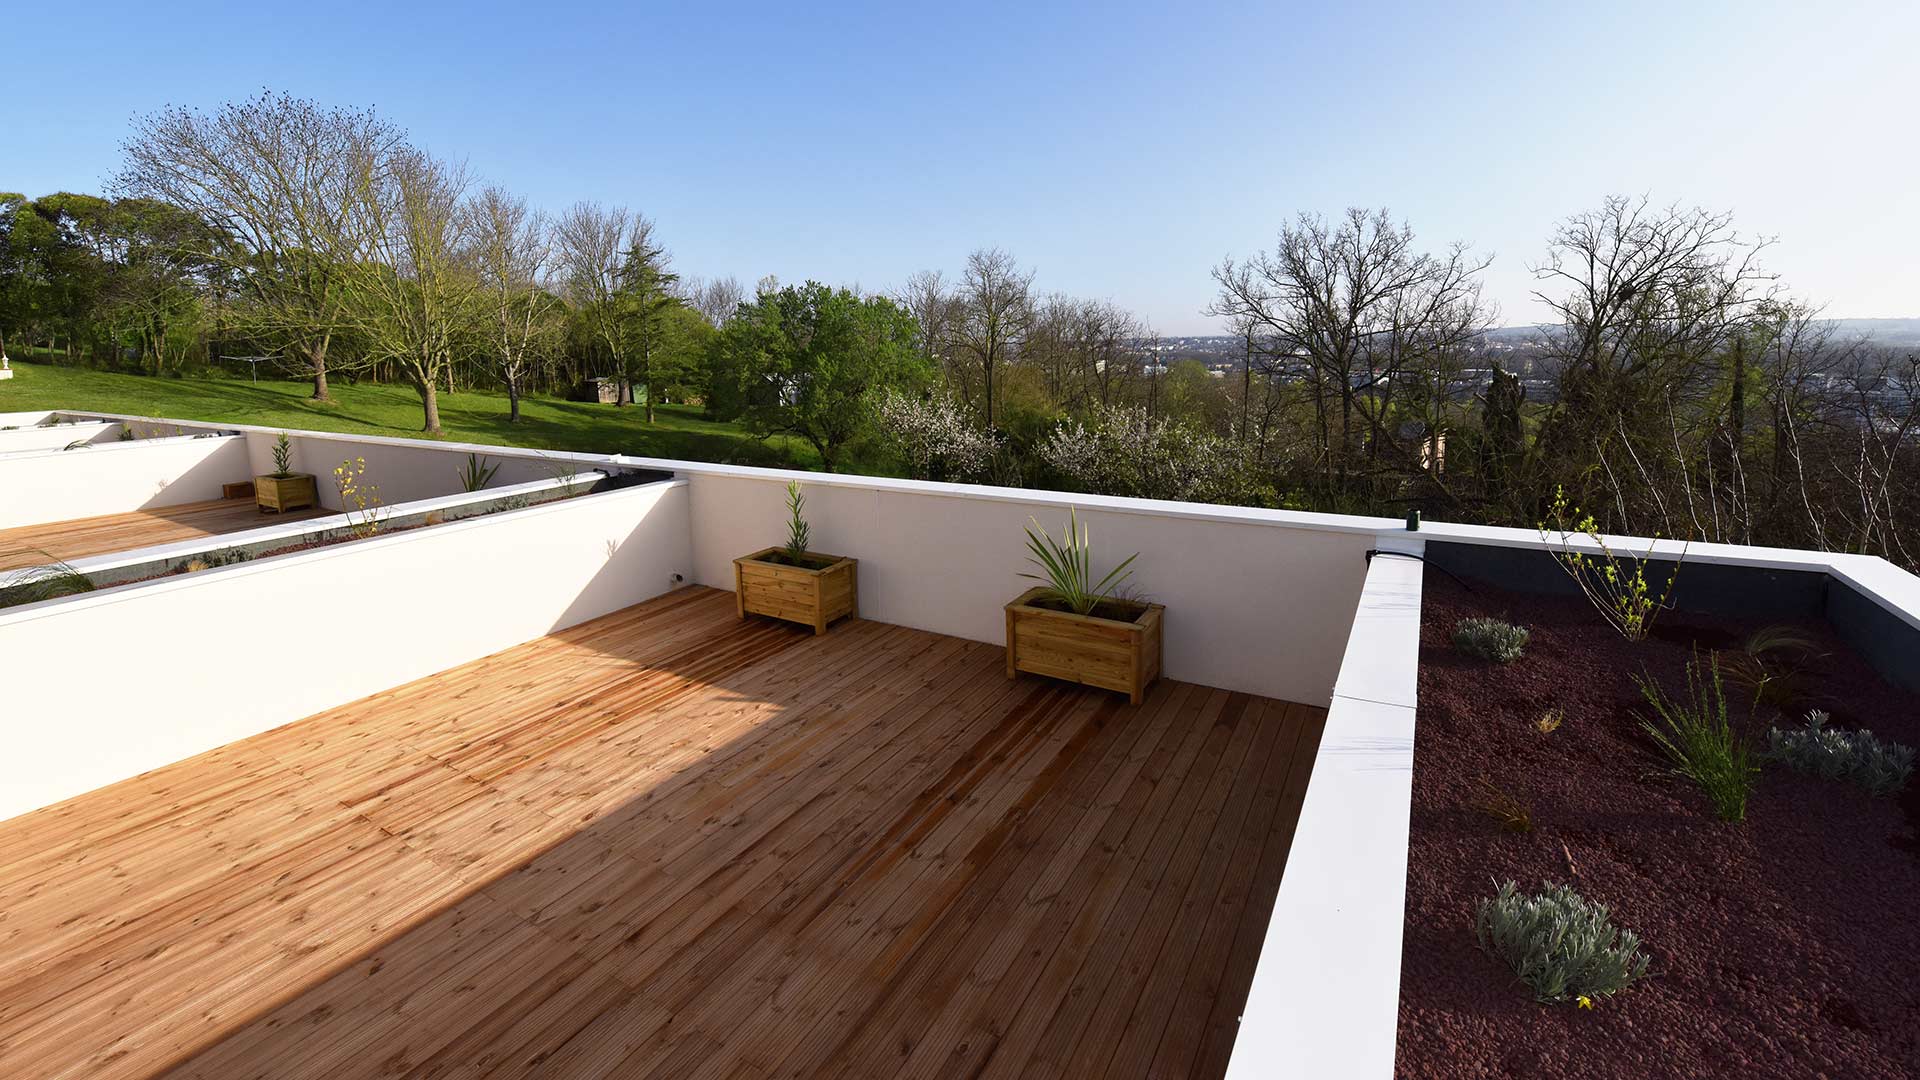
pixel 669 841
pixel 77 538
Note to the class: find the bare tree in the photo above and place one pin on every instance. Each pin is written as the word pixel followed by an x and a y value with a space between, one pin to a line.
pixel 991 318
pixel 1658 308
pixel 927 299
pixel 286 183
pixel 591 243
pixel 1363 308
pixel 716 299
pixel 418 296
pixel 514 255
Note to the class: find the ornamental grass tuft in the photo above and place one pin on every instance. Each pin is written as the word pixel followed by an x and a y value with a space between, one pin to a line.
pixel 1695 736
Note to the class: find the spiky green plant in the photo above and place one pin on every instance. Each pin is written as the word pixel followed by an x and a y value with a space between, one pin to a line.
pixel 1490 639
pixel 282 457
pixel 476 473
pixel 1067 566
pixel 1697 738
pixel 1562 945
pixel 1882 768
pixel 798 533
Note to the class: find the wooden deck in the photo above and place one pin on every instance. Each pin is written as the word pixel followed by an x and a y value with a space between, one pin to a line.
pixel 31 545
pixel 670 843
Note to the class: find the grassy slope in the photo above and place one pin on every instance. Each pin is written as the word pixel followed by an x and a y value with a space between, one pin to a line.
pixel 547 423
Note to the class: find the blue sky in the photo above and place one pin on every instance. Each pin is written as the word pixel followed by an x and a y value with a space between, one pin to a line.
pixel 1119 150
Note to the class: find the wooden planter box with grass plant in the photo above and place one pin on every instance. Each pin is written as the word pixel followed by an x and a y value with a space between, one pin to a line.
pixel 283 489
pixel 795 584
pixel 1075 629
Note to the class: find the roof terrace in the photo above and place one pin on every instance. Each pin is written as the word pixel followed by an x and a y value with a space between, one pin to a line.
pixel 527 793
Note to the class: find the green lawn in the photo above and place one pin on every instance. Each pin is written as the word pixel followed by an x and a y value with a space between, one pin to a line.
pixel 679 431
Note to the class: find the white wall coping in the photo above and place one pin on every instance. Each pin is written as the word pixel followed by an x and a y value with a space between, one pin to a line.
pixel 117 593
pixel 84 425
pixel 1294 519
pixel 398 441
pixel 1861 571
pixel 1325 999
pixel 199 545
pixel 220 435
pixel 1892 588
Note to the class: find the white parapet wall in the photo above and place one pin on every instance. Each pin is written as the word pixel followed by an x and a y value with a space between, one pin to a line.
pixel 408 469
pixel 117 478
pixel 1325 999
pixel 57 436
pixel 92 696
pixel 1257 600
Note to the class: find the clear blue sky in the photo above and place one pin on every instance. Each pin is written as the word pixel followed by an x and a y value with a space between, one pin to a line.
pixel 1120 150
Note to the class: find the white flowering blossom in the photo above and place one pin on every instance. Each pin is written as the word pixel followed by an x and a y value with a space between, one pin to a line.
pixel 1126 452
pixel 937 437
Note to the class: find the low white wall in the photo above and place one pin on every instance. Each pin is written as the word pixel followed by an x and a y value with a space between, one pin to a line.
pixel 404 469
pixel 1255 602
pixel 1325 999
pixel 119 566
pixel 25 419
pixel 253 646
pixel 56 436
pixel 117 477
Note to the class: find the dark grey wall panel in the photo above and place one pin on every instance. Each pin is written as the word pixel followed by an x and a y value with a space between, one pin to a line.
pixel 1885 640
pixel 1745 592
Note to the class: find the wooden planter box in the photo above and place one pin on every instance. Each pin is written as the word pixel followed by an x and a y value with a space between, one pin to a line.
pixel 806 595
pixel 279 493
pixel 1114 654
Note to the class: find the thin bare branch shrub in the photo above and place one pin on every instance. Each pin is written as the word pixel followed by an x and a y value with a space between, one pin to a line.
pixel 1616 585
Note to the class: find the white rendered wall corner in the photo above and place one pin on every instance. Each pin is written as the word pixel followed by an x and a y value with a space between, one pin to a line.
pixel 1325 999
pixel 250 647
pixel 117 478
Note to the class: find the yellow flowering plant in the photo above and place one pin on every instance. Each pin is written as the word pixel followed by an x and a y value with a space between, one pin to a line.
pixel 1616 585
pixel 359 498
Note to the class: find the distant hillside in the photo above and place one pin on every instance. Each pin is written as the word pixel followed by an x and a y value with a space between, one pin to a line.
pixel 1895 332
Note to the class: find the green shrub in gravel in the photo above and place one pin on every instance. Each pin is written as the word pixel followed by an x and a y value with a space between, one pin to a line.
pixel 1559 943
pixel 1699 740
pixel 1857 756
pixel 1490 639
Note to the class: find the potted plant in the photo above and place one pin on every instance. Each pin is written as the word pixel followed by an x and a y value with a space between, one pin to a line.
pixel 793 583
pixel 1073 627
pixel 283 489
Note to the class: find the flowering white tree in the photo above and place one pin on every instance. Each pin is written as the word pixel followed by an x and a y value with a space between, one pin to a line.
pixel 1126 452
pixel 937 437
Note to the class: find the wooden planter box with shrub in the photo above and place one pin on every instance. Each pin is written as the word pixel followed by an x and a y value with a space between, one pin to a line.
pixel 813 592
pixel 1115 648
pixel 295 491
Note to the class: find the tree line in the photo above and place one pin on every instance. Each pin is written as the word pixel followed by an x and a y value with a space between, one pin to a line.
pixel 1677 389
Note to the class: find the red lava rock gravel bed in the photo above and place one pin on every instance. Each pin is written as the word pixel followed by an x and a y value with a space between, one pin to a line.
pixel 1786 946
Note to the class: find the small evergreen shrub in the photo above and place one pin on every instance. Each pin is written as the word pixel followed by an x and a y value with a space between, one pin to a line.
pixel 1857 756
pixel 1490 639
pixel 1559 943
pixel 1698 739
